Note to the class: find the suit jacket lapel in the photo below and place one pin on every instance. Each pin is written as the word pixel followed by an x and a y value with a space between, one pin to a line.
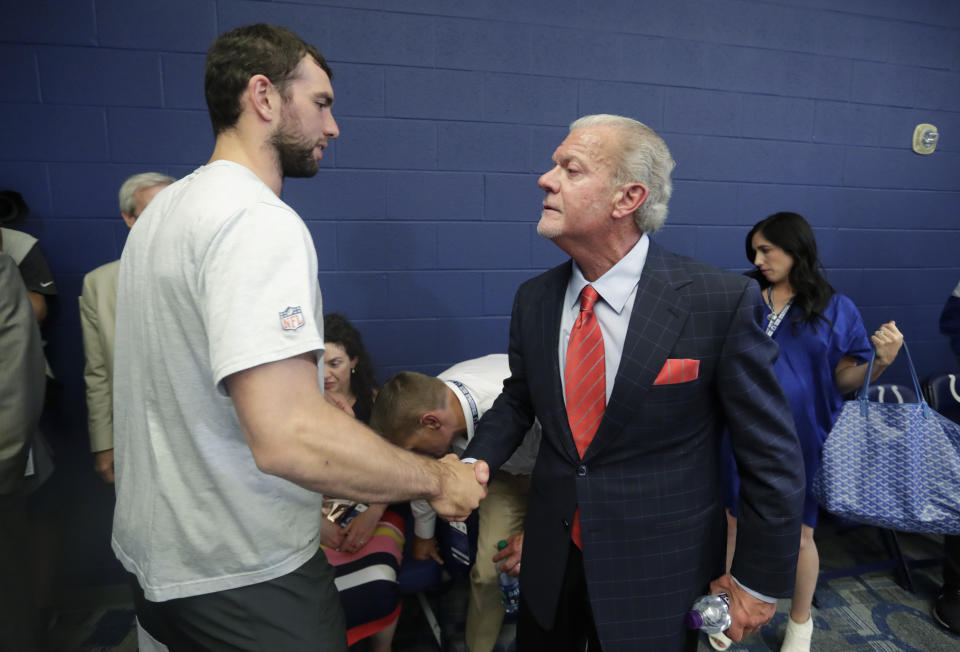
pixel 659 312
pixel 550 316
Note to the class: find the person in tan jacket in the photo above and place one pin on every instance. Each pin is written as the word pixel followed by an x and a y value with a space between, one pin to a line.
pixel 98 307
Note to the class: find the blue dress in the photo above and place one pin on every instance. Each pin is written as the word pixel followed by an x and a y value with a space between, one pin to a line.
pixel 805 368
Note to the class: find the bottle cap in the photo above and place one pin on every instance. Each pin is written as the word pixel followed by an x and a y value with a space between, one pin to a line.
pixel 693 620
pixel 501 544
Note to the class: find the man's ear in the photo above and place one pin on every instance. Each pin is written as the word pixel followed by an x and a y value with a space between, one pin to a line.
pixel 430 420
pixel 262 97
pixel 629 198
pixel 128 219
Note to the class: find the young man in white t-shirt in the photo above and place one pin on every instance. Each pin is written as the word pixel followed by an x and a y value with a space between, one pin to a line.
pixel 223 439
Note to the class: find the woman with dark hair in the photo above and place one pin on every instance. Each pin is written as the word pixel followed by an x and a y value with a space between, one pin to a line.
pixel 347 367
pixel 823 351
pixel 364 547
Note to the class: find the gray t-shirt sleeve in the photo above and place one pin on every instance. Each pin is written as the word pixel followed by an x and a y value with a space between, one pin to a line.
pixel 258 291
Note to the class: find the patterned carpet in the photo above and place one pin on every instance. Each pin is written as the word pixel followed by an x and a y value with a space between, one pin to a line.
pixel 867 611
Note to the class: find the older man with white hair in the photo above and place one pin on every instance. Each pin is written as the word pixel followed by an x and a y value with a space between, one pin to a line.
pixel 98 311
pixel 635 360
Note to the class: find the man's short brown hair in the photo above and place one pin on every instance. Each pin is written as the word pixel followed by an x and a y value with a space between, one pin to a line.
pixel 403 401
pixel 239 54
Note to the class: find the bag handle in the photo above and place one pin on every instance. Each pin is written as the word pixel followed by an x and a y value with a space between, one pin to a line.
pixel 865 390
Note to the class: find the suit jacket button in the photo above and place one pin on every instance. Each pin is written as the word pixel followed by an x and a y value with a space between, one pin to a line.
pixel 581 470
pixel 565 523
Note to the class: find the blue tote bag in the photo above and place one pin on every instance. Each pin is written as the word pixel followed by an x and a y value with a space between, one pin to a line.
pixel 894 465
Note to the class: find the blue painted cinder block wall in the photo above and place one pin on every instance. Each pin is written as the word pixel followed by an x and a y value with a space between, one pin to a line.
pixel 424 210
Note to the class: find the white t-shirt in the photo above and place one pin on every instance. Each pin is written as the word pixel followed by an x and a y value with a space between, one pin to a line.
pixel 218 275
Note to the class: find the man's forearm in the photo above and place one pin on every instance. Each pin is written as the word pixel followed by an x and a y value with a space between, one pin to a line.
pixel 330 452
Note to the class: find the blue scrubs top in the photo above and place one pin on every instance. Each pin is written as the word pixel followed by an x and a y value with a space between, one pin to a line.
pixel 805 368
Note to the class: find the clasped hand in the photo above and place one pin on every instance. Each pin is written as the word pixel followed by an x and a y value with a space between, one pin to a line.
pixel 462 487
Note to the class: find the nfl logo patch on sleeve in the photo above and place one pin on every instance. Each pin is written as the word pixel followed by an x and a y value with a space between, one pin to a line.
pixel 292 318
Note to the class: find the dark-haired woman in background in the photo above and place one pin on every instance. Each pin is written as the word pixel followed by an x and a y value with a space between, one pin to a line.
pixel 823 351
pixel 366 552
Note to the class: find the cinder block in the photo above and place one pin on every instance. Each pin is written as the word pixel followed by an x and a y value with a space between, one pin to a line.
pixel 696 111
pixel 754 70
pixel 434 196
pixel 854 36
pixel 643 102
pixel 721 246
pixel 327 244
pixel 404 343
pixel 172 25
pixel 543 143
pixel 372 246
pixel 383 37
pixel 438 293
pixel 512 197
pixel 49 21
pixel 443 94
pixel 757 201
pixel 587 53
pixel 848 124
pixel 153 135
pixel 32 182
pixel 776 118
pixel 477 146
pixel 99 77
pixel 936 89
pixel 183 81
pixel 678 238
pixel 646 59
pixel 339 194
pixel 500 288
pixel 483 246
pixel 483 45
pixel 464 339
pixel 359 90
pixel 312 24
pixel 90 189
pixel 390 144
pixel 882 83
pixel 529 100
pixel 761 161
pixel 926 46
pixel 703 202
pixel 18 69
pixel 358 295
pixel 886 168
pixel 544 254
pixel 684 63
pixel 77 245
pixel 38 132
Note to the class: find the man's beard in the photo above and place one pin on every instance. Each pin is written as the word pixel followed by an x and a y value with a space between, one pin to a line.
pixel 294 153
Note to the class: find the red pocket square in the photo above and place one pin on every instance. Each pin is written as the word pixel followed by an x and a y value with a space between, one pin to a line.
pixel 678 370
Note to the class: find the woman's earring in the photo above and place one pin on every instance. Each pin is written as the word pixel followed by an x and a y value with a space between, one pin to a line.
pixel 353 370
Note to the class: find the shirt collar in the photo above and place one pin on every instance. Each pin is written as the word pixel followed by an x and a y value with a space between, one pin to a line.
pixel 617 284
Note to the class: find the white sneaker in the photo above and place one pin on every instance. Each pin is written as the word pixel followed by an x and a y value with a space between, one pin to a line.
pixel 798 636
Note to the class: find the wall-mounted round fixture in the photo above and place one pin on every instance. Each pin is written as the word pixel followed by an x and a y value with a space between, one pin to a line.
pixel 925 139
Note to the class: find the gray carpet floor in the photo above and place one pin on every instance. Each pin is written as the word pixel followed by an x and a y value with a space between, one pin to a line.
pixel 866 611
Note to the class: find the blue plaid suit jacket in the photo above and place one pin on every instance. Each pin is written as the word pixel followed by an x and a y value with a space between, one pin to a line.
pixel 648 486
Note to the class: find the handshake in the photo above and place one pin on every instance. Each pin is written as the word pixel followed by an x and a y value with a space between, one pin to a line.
pixel 461 488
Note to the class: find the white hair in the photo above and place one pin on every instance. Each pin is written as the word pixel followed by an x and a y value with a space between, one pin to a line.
pixel 644 158
pixel 136 183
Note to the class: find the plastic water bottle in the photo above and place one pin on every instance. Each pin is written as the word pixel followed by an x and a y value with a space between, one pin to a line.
pixel 711 613
pixel 509 587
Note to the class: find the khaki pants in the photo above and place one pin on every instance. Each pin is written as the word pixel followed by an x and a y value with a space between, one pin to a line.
pixel 501 514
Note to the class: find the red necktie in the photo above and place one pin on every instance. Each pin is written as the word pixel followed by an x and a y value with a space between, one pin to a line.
pixel 585 382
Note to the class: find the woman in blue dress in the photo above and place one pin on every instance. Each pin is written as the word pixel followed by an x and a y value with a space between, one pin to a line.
pixel 823 351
